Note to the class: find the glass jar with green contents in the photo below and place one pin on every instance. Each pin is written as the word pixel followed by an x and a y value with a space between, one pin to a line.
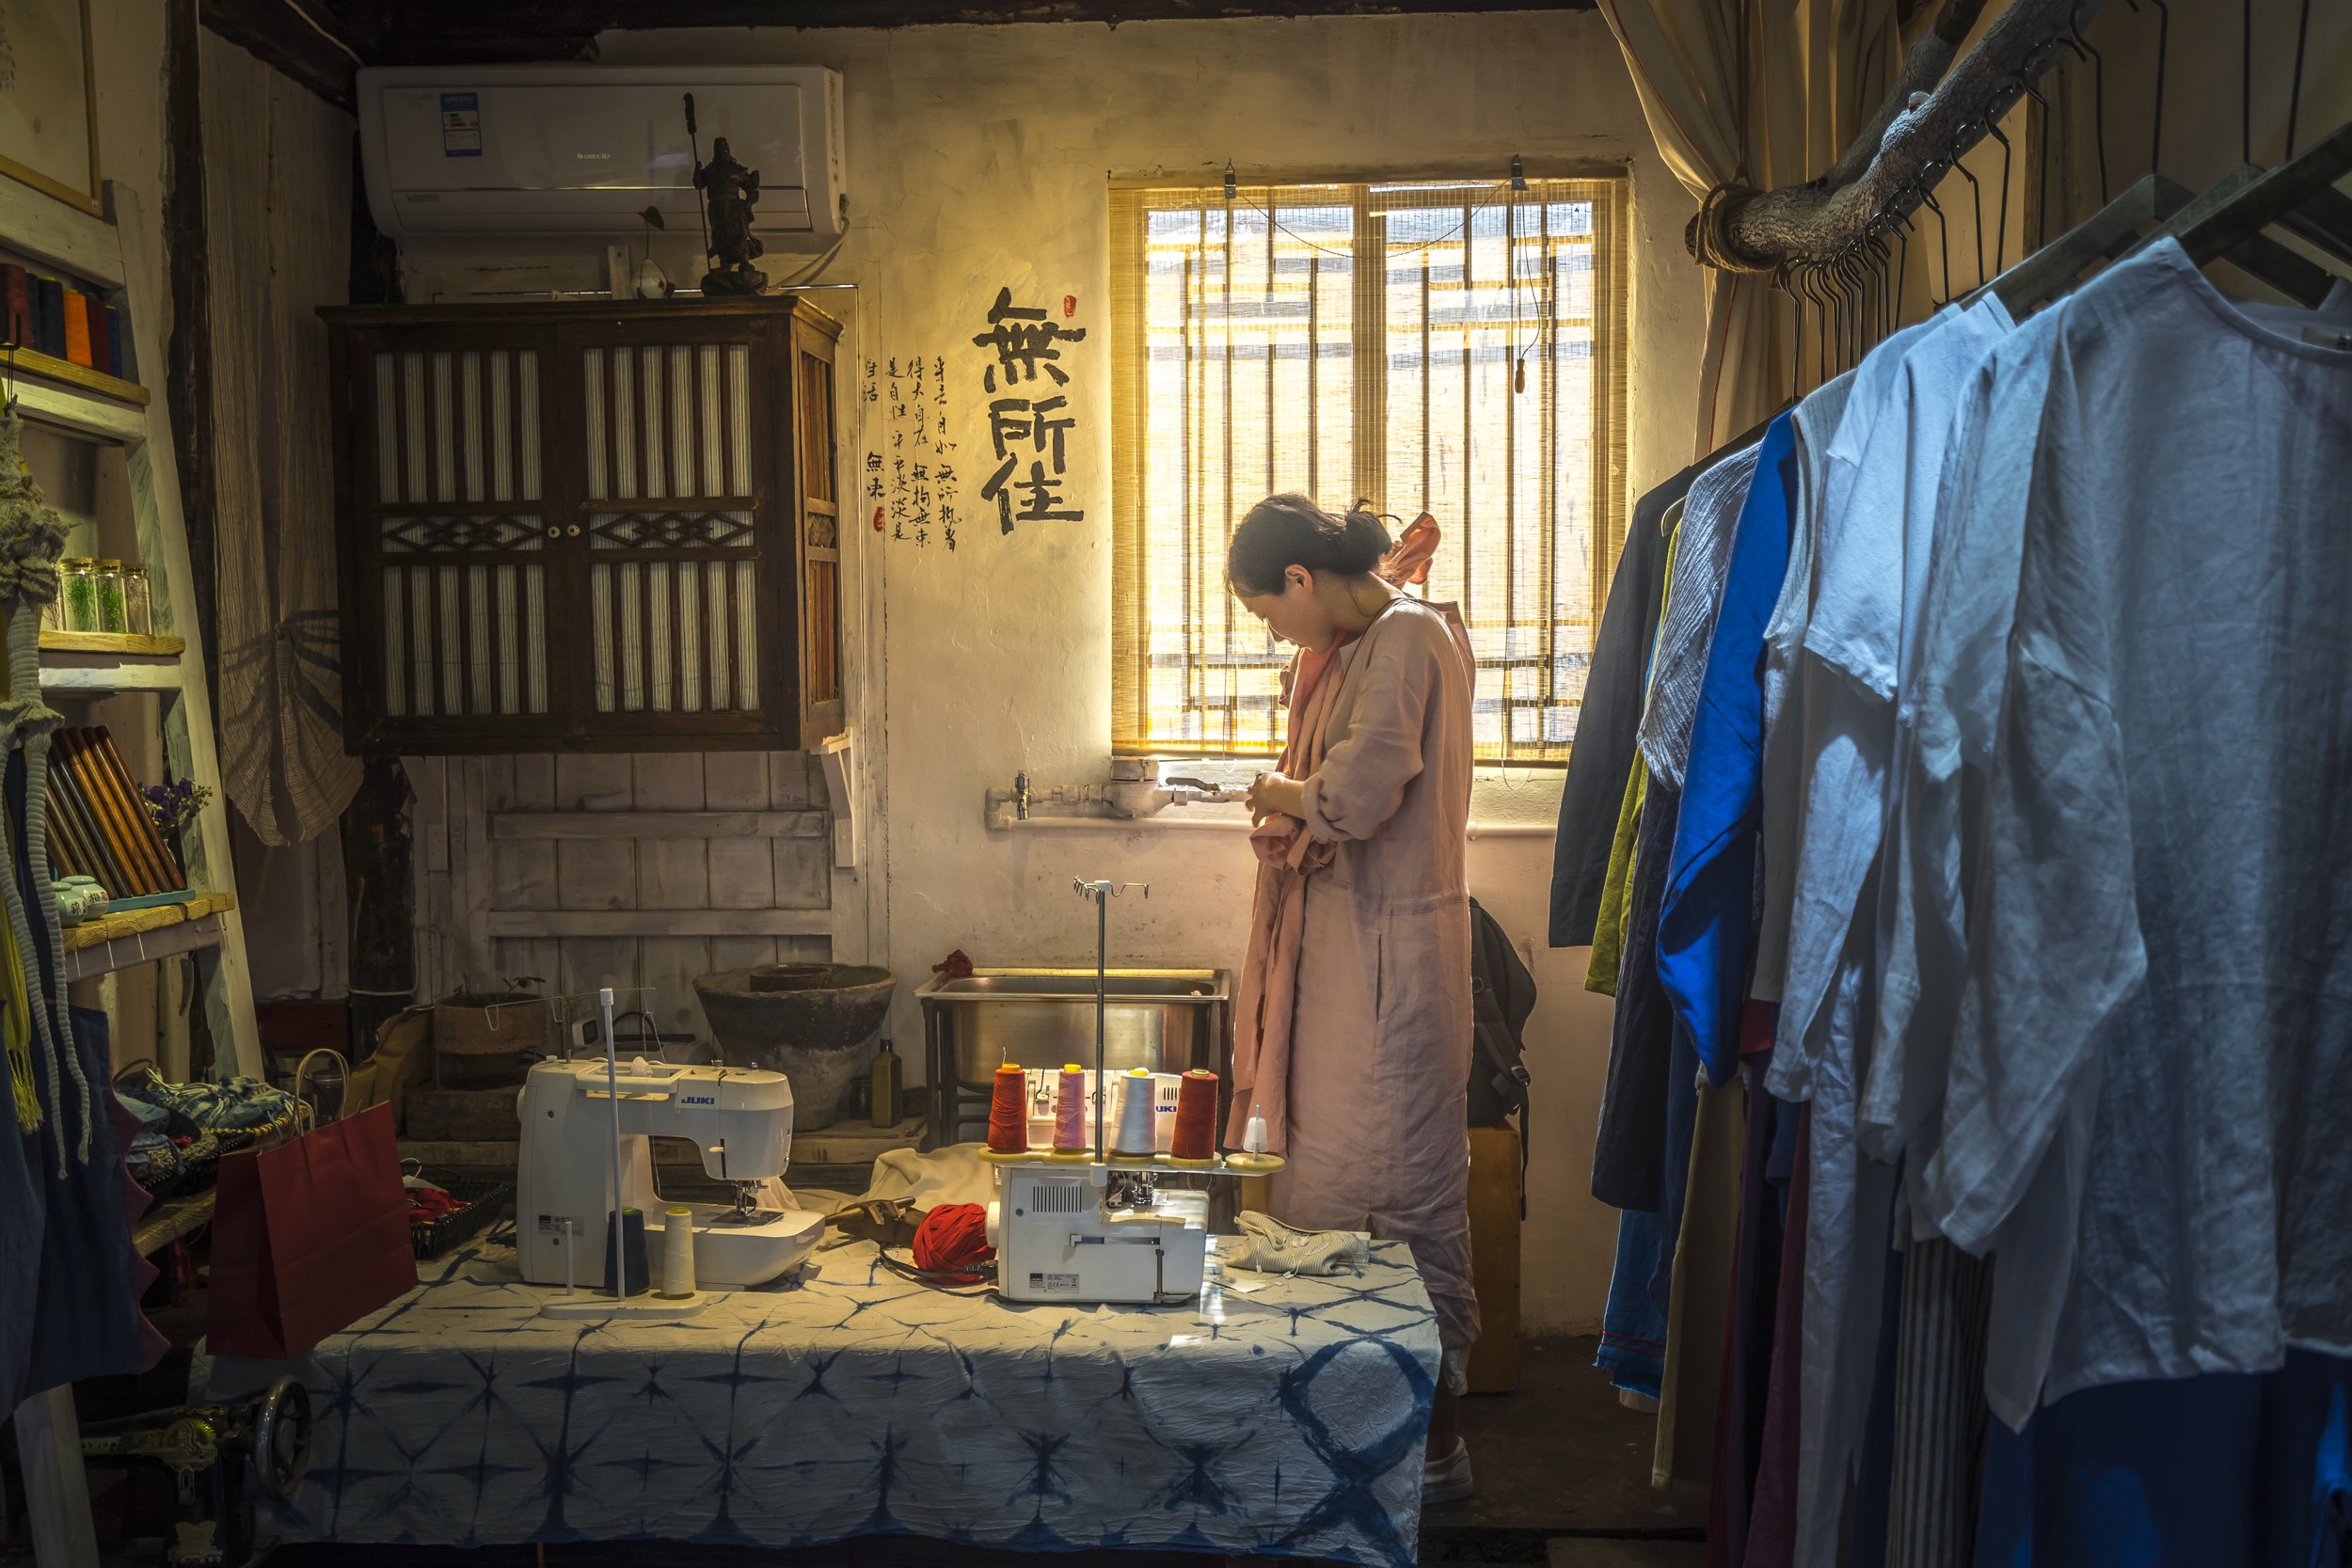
pixel 111 610
pixel 77 587
pixel 138 603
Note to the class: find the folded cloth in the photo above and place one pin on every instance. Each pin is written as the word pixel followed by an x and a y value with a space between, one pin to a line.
pixel 241 1103
pixel 1267 1245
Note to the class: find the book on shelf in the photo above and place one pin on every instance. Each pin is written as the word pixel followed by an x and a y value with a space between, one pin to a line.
pixel 98 822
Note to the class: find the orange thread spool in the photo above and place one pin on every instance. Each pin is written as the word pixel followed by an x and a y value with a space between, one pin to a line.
pixel 1008 1110
pixel 1196 1117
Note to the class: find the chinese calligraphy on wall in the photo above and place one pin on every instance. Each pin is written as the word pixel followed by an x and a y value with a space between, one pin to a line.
pixel 1030 417
pixel 910 479
pixel 911 483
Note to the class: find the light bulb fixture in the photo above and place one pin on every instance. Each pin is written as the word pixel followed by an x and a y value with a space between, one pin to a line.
pixel 1519 174
pixel 1231 189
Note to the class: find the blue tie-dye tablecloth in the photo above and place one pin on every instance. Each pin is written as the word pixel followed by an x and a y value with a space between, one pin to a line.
pixel 1281 1417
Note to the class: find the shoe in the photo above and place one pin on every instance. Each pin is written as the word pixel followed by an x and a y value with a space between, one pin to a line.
pixel 1447 1479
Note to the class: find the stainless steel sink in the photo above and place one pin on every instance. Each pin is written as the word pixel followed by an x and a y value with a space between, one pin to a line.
pixel 1161 1019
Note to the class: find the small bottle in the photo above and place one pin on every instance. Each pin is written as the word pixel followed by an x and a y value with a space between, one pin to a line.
pixel 77 586
pixel 888 1094
pixel 138 605
pixel 109 584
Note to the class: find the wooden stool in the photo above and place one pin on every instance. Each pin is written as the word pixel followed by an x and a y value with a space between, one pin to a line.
pixel 1494 1216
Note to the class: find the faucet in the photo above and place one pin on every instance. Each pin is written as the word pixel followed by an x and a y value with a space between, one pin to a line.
pixel 1021 796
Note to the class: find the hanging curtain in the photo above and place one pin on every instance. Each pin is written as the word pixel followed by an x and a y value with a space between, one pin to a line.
pixel 277 215
pixel 1760 93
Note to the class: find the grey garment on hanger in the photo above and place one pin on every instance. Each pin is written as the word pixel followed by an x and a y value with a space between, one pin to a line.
pixel 1686 629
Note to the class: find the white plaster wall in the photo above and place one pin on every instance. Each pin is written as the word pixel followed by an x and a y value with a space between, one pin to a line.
pixel 979 158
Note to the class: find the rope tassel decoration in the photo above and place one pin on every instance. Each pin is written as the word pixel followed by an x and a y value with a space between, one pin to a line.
pixel 32 535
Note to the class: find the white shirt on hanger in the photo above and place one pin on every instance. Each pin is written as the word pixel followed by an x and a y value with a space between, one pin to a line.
pixel 1884 471
pixel 2166 916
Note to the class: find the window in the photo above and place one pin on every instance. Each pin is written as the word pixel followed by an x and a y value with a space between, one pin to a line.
pixel 1455 348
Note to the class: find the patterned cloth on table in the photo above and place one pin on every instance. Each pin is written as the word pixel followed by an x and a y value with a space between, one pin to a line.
pixel 1286 1420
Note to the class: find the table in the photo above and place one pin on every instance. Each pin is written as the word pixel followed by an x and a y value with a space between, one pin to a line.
pixel 1281 1417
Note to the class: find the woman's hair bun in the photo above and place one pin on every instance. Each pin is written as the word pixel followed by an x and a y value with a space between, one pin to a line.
pixel 1287 530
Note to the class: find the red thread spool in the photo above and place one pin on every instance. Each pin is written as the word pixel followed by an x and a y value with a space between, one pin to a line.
pixel 1196 1117
pixel 1009 1111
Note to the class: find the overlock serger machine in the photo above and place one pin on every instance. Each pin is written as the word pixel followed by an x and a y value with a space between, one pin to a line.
pixel 1108 1222
pixel 576 1113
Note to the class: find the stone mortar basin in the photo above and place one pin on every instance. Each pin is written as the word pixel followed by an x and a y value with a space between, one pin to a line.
pixel 814 1032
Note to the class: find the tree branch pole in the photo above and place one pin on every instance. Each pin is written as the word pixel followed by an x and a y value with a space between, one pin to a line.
pixel 1905 150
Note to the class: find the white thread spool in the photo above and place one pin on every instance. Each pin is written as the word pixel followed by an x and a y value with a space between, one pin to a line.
pixel 1137 1100
pixel 677 1254
pixel 1254 1138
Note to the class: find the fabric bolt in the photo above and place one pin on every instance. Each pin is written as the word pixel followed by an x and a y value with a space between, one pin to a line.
pixel 1686 627
pixel 1632 1329
pixel 1706 1258
pixel 1812 422
pixel 2222 1471
pixel 1608 722
pixel 1748 1318
pixel 1773 1515
pixel 2196 781
pixel 1939 1411
pixel 1628 1148
pixel 1380 1045
pixel 1707 916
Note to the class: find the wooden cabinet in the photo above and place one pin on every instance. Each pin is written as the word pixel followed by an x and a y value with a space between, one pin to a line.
pixel 611 525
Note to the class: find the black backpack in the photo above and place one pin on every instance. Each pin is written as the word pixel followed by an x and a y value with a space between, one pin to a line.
pixel 1502 994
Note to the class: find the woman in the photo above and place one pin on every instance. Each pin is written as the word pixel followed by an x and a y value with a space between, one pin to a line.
pixel 1354 1037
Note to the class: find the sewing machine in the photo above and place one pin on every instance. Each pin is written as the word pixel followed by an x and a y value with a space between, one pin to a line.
pixel 740 1119
pixel 1075 1232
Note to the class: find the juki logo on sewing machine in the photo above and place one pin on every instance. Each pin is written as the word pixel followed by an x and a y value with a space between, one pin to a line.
pixel 1053 1281
pixel 703 1100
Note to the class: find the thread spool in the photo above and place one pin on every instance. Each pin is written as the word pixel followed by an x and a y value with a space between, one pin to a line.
pixel 1254 1137
pixel 1137 1095
pixel 629 1279
pixel 1070 1111
pixel 677 1253
pixel 1009 1111
pixel 1196 1117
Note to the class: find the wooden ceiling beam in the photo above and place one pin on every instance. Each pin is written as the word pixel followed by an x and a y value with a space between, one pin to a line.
pixel 318 53
pixel 435 31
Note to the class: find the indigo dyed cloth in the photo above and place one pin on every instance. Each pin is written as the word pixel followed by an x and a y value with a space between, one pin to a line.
pixel 1277 1417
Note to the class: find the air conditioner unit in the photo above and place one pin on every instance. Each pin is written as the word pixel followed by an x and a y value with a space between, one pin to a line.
pixel 471 152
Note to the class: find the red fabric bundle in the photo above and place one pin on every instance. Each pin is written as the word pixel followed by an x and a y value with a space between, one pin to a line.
pixel 951 1236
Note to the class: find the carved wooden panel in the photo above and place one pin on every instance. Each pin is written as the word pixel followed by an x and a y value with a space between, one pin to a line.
pixel 588 527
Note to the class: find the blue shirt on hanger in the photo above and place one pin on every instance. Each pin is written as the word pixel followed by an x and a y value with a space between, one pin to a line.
pixel 1706 926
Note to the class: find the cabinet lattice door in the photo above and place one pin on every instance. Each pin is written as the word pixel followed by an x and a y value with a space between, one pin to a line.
pixel 588 527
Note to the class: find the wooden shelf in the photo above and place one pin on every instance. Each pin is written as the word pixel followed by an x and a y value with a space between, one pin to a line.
pixel 49 368
pixel 124 643
pixel 130 937
pixel 169 1220
pixel 844 1144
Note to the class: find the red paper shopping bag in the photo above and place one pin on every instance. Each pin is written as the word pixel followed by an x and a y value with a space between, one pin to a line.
pixel 307 1239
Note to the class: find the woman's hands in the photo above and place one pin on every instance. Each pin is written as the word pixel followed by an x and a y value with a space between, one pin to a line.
pixel 1273 795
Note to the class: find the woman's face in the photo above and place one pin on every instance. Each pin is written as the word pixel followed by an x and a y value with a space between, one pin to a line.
pixel 1296 614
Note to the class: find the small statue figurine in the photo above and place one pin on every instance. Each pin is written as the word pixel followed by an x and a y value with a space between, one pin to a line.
pixel 729 190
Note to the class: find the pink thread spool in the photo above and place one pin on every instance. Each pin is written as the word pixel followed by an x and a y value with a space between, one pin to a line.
pixel 1070 1111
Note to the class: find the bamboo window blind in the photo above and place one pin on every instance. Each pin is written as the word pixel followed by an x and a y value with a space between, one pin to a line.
pixel 1366 340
